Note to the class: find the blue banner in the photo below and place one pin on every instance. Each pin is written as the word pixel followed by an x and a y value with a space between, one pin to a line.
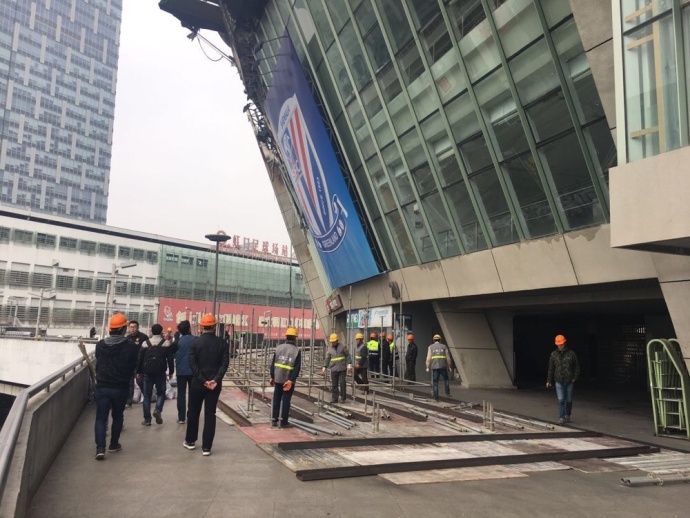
pixel 315 174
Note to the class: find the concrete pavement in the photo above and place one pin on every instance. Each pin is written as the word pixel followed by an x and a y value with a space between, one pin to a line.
pixel 155 476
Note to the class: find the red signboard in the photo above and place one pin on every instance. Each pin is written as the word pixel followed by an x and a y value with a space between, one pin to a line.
pixel 271 321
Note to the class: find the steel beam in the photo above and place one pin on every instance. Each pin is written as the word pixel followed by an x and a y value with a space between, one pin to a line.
pixel 233 414
pixel 399 467
pixel 430 439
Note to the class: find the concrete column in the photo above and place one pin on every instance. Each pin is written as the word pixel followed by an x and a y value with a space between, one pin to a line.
pixel 480 342
pixel 674 278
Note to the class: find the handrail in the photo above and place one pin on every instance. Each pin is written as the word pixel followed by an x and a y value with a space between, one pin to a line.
pixel 10 430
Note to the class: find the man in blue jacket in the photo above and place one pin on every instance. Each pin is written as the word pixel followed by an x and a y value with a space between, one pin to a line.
pixel 183 369
pixel 116 360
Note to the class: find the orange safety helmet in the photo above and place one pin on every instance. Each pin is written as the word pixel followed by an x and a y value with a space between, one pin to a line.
pixel 359 336
pixel 373 335
pixel 410 336
pixel 560 340
pixel 390 337
pixel 117 321
pixel 333 338
pixel 208 320
pixel 291 331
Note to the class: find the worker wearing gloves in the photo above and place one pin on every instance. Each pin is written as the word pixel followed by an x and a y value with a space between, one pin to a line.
pixel 338 360
pixel 440 361
pixel 361 362
pixel 285 367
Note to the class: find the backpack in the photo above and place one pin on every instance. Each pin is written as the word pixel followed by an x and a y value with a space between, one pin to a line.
pixel 155 361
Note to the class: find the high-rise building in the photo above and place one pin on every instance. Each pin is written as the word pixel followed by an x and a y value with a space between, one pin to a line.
pixel 58 71
pixel 496 171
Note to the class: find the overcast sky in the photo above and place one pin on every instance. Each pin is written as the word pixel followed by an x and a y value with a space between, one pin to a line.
pixel 185 161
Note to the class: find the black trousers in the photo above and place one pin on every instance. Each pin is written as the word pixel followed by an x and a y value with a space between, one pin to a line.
pixel 284 397
pixel 374 363
pixel 410 372
pixel 362 379
pixel 198 395
pixel 338 381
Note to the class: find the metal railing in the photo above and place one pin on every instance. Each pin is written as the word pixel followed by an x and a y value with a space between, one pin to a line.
pixel 11 428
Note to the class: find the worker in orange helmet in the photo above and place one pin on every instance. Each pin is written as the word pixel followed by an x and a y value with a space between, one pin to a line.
pixel 209 357
pixel 411 358
pixel 361 362
pixel 373 353
pixel 285 367
pixel 564 370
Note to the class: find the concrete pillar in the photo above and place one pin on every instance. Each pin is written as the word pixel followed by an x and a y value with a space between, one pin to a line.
pixel 674 277
pixel 480 342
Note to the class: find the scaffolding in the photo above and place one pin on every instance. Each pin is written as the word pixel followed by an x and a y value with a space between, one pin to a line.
pixel 669 384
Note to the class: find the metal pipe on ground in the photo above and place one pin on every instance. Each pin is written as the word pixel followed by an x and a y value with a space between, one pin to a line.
pixel 530 422
pixel 304 428
pixel 316 427
pixel 331 419
pixel 655 480
pixel 339 418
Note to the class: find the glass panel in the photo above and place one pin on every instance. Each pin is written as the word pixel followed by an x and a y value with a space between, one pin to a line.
pixel 412 148
pixel 555 10
pixel 475 153
pixel 347 142
pixel 602 147
pixel 321 22
pixel 518 25
pixel 462 118
pixel 480 52
pixel 651 90
pixel 564 161
pixel 338 13
pixel 388 83
pixel 362 134
pixel 365 17
pixel 376 48
pixel 381 185
pixel 366 192
pixel 529 190
pixel 339 73
pixel 398 174
pixel 534 73
pixel 328 89
pixel 465 217
pixel 466 16
pixel 423 11
pixel 498 107
pixel 420 233
pixel 449 79
pixel 371 101
pixel 448 168
pixel 424 179
pixel 549 116
pixel 386 244
pixel 488 189
pixel 440 225
pixel 400 237
pixel 397 27
pixel 635 12
pixel 436 39
pixel 411 66
pixel 354 56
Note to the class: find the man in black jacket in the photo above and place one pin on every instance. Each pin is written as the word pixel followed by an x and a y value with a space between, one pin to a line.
pixel 209 357
pixel 155 357
pixel 116 360
pixel 411 359
pixel 138 339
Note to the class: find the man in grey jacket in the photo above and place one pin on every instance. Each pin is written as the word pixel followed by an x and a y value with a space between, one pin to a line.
pixel 285 367
pixel 439 360
pixel 338 359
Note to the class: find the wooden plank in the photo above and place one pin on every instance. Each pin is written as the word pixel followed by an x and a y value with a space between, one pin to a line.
pixel 357 471
pixel 453 475
pixel 594 465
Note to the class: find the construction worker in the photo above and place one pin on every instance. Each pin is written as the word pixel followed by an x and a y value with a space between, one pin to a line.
pixel 385 355
pixel 395 357
pixel 373 353
pixel 361 362
pixel 440 361
pixel 285 367
pixel 411 358
pixel 338 360
pixel 564 370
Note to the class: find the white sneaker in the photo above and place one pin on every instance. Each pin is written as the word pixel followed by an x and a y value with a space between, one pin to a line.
pixel 189 445
pixel 206 453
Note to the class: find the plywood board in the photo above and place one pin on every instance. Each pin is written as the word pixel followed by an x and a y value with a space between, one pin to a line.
pixel 539 466
pixel 401 454
pixel 594 465
pixel 452 475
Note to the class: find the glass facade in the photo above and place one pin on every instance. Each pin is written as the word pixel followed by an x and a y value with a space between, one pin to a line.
pixel 656 62
pixel 58 63
pixel 463 125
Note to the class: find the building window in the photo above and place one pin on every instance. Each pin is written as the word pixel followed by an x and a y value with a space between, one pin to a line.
pixel 187 260
pixel 138 254
pixel 23 237
pixel 106 249
pixel 88 247
pixel 152 257
pixel 124 252
pixel 45 240
pixel 149 290
pixel 202 263
pixel 65 282
pixel 41 280
pixel 19 278
pixel 120 287
pixel 4 235
pixel 84 284
pixel 172 258
pixel 68 243
pixel 135 288
pixel 102 285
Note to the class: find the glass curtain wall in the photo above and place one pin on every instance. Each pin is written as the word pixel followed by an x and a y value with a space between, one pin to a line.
pixel 656 63
pixel 464 124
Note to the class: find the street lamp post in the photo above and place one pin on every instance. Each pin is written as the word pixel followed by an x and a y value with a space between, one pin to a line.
pixel 218 238
pixel 110 295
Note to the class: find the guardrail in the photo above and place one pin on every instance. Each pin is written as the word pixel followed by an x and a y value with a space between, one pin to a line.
pixel 11 428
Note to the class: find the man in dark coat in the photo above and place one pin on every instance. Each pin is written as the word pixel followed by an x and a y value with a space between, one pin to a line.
pixel 411 359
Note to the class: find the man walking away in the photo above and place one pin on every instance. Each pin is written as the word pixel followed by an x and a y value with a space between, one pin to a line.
pixel 564 369
pixel 361 362
pixel 184 371
pixel 411 359
pixel 338 359
pixel 154 358
pixel 385 355
pixel 116 360
pixel 440 361
pixel 138 339
pixel 373 353
pixel 395 356
pixel 209 358
pixel 285 367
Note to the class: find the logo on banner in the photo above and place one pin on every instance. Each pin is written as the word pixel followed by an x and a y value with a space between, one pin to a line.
pixel 326 216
